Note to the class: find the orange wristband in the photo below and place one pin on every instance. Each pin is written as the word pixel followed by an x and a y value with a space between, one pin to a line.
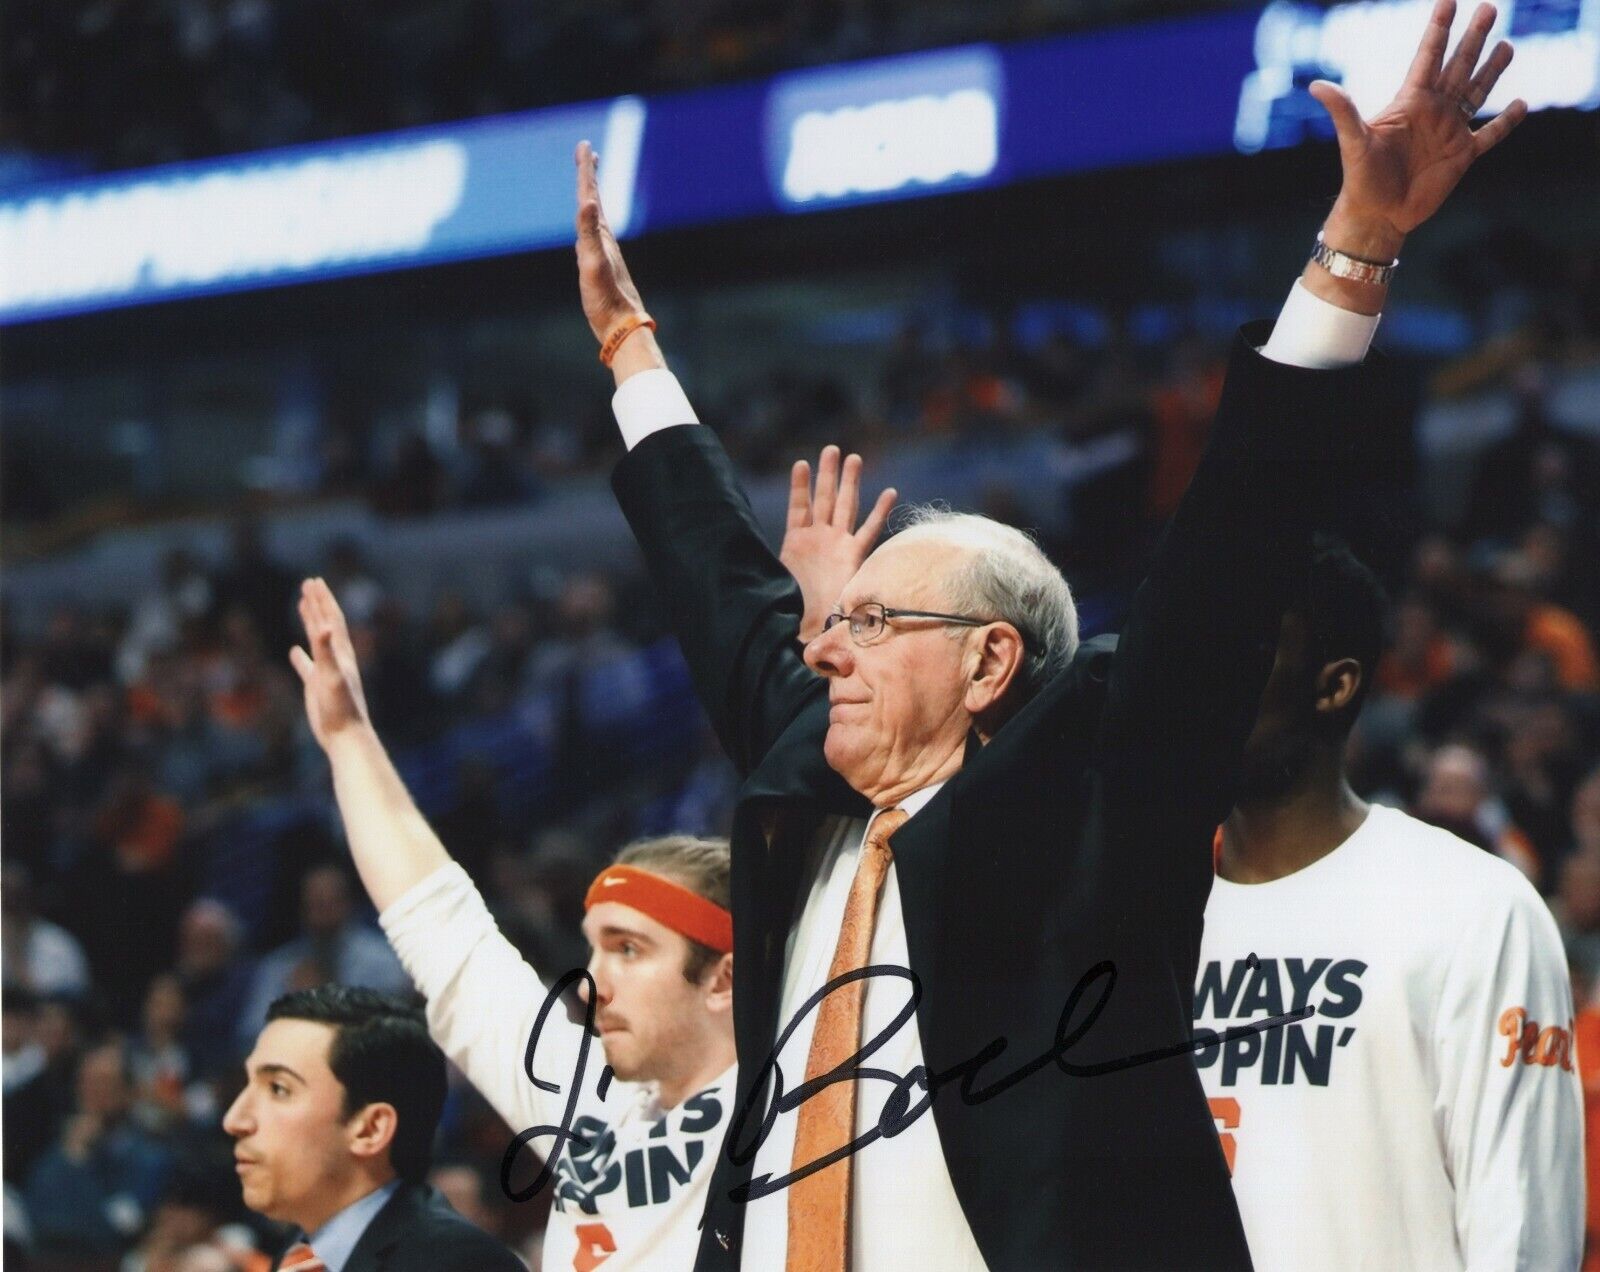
pixel 619 333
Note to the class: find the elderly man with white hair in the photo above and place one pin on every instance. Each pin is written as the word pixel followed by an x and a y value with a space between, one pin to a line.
pixel 970 858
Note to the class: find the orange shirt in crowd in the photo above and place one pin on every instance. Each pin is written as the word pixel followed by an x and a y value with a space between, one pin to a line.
pixel 144 833
pixel 1409 679
pixel 1560 634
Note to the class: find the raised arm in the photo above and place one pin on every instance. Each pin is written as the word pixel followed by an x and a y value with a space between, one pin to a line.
pixel 733 606
pixel 483 998
pixel 1198 644
pixel 393 846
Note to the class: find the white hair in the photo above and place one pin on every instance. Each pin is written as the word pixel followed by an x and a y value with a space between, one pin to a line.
pixel 1004 574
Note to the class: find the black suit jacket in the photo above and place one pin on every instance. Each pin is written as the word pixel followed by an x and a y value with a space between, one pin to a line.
pixel 1080 835
pixel 417 1231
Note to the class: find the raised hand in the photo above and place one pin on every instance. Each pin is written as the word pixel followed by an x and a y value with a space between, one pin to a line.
pixel 1401 165
pixel 334 700
pixel 822 547
pixel 604 284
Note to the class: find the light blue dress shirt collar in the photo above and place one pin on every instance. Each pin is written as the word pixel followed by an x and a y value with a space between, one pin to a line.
pixel 336 1239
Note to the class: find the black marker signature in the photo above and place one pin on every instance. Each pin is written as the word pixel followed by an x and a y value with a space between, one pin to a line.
pixel 563 1133
pixel 898 1111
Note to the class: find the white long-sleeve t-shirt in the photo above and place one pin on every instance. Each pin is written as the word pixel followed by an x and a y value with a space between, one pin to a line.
pixel 632 1195
pixel 1428 1115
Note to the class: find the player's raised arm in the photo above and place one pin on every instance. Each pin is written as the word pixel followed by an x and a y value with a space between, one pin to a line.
pixel 391 842
pixel 482 996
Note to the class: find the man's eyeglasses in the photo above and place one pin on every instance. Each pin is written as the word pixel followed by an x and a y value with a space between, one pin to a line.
pixel 868 621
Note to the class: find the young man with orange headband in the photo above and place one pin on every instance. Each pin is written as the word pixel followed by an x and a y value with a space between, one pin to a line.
pixel 631 1177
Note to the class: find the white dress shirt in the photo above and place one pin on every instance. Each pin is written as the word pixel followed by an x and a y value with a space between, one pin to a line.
pixel 904 1210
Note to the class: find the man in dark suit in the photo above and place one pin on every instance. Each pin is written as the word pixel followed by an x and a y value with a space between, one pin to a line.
pixel 1011 832
pixel 334 1132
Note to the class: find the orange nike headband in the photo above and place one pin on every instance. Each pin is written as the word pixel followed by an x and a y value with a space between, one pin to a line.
pixel 686 913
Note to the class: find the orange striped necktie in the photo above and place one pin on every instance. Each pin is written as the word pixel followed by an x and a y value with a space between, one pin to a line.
pixel 819 1204
pixel 300 1257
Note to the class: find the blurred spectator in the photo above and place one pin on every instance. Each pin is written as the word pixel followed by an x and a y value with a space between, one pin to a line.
pixel 333 946
pixel 414 485
pixel 138 826
pixel 191 1229
pixel 1456 795
pixel 90 1195
pixel 42 1096
pixel 215 979
pixel 1586 814
pixel 1544 628
pixel 1539 473
pixel 158 1062
pixel 466 1188
pixel 1542 763
pixel 458 641
pixel 183 594
pixel 27 813
pixel 1421 656
pixel 1577 910
pixel 39 955
pixel 353 581
pixel 256 584
pixel 22 1056
pixel 1180 414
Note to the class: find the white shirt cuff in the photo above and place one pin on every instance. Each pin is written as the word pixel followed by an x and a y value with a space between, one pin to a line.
pixel 1314 334
pixel 649 402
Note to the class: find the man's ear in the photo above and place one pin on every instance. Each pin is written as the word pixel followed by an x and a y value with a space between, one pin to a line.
pixel 370 1131
pixel 719 993
pixel 994 663
pixel 1338 683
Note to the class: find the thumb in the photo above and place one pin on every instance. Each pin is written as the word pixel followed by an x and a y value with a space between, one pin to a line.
pixel 1333 99
pixel 301 661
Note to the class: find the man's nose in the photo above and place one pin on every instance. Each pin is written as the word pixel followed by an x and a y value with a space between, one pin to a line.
pixel 596 978
pixel 831 653
pixel 236 1122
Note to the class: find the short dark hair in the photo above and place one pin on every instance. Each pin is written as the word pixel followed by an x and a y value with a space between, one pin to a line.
pixel 381 1053
pixel 1343 606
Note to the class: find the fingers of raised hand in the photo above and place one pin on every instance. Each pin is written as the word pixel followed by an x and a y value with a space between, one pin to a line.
pixel 1482 84
pixel 1499 128
pixel 872 527
pixel 588 184
pixel 301 662
pixel 1346 118
pixel 799 495
pixel 331 612
pixel 1456 77
pixel 849 501
pixel 827 486
pixel 1424 70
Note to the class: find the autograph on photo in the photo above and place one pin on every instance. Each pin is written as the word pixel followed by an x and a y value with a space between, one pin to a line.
pixel 899 1111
